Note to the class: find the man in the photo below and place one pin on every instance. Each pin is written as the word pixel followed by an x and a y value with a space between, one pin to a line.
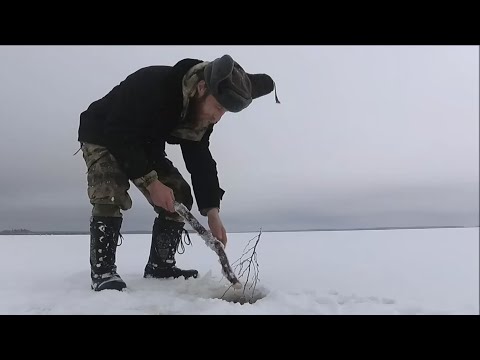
pixel 123 137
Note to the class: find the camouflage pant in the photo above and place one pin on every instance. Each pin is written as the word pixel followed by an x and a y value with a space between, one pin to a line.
pixel 108 185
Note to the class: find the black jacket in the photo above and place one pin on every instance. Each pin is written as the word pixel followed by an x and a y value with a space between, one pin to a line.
pixel 134 121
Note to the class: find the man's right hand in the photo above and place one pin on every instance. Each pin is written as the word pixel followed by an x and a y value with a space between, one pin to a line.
pixel 161 195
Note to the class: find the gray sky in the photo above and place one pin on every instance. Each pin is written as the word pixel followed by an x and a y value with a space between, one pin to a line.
pixel 364 136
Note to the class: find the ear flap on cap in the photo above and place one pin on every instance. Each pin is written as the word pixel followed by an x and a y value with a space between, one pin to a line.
pixel 262 84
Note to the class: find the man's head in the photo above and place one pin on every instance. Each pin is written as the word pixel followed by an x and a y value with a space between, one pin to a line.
pixel 232 86
pixel 222 85
pixel 228 83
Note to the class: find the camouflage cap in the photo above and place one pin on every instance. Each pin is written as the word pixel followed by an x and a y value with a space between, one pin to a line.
pixel 228 83
pixel 234 88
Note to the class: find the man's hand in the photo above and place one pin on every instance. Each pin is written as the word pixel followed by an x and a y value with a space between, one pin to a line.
pixel 216 226
pixel 161 195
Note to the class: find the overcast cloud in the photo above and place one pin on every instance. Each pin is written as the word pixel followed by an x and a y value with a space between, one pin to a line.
pixel 364 135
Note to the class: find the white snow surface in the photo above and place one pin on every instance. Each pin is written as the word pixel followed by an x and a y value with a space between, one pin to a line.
pixel 397 272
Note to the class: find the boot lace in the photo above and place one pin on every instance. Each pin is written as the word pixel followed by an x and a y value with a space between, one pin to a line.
pixel 185 239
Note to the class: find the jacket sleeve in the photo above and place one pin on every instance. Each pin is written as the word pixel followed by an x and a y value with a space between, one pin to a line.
pixel 124 131
pixel 203 170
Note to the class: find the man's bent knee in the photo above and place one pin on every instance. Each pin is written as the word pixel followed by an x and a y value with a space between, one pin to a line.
pixel 107 183
pixel 106 210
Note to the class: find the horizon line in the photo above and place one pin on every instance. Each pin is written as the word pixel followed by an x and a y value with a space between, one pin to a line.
pixel 62 232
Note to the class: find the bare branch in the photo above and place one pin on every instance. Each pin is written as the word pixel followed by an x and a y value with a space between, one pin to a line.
pixel 248 263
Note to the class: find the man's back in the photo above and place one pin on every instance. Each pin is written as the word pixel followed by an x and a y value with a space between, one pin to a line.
pixel 135 119
pixel 132 104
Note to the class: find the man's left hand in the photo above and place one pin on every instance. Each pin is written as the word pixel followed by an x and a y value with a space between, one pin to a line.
pixel 216 226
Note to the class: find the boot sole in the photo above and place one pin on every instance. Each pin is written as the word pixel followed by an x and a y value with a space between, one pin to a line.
pixel 110 285
pixel 169 277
